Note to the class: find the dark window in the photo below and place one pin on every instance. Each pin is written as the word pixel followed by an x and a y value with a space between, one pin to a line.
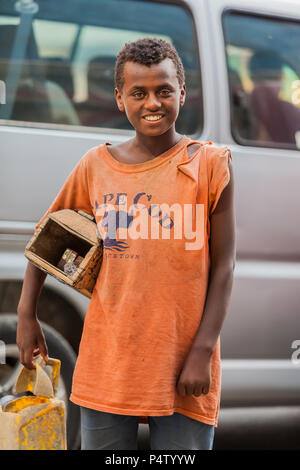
pixel 65 72
pixel 263 60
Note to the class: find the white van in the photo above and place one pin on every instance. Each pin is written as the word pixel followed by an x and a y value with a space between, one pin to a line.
pixel 242 64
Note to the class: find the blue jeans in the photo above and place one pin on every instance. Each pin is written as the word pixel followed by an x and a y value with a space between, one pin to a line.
pixel 109 431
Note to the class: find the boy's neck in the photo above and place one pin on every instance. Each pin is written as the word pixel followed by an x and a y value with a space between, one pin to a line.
pixel 156 145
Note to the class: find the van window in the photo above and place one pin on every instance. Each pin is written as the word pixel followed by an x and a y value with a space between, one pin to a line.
pixel 263 64
pixel 62 71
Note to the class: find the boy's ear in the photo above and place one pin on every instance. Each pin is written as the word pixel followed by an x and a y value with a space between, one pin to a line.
pixel 119 100
pixel 182 95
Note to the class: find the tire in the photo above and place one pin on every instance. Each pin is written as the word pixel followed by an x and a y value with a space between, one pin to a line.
pixel 58 348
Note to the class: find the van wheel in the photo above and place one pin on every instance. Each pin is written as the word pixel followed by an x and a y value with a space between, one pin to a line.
pixel 58 348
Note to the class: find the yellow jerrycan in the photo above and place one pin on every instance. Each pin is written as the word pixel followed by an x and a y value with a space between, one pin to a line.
pixel 38 421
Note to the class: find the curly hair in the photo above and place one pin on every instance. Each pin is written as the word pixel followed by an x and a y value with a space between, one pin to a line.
pixel 147 51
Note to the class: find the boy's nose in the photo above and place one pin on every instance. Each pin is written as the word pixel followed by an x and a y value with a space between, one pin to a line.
pixel 152 103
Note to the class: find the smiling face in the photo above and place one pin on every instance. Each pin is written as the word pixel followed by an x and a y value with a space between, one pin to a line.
pixel 151 96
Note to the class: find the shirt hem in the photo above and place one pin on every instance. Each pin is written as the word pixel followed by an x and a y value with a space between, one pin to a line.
pixel 124 411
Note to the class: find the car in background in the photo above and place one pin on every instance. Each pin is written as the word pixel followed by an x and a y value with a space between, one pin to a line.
pixel 242 67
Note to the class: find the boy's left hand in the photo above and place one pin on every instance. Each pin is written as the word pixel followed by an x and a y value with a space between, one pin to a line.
pixel 194 378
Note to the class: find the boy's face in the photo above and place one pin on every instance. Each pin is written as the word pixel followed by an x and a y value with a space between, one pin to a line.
pixel 149 92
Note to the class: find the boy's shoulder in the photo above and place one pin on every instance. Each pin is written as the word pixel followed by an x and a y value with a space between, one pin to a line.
pixel 193 148
pixel 213 151
pixel 195 145
pixel 218 158
pixel 92 154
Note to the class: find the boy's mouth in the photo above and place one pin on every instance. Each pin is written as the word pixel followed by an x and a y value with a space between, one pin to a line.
pixel 153 117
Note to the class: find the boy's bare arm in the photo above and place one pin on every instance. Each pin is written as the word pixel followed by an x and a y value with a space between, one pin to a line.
pixel 194 378
pixel 30 336
pixel 222 253
pixel 31 289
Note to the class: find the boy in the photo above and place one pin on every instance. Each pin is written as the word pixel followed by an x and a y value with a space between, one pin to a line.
pixel 150 348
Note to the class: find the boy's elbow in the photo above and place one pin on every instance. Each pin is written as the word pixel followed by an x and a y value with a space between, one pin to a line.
pixel 225 266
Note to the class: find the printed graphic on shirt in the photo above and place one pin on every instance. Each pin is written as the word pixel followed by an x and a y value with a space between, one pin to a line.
pixel 116 222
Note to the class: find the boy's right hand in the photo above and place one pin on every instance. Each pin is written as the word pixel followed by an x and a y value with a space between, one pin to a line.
pixel 30 340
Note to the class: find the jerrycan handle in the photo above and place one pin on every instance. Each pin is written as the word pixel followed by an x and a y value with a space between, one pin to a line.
pixel 37 380
pixel 54 372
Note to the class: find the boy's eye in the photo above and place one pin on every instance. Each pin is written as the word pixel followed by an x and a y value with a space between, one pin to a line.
pixel 138 94
pixel 165 92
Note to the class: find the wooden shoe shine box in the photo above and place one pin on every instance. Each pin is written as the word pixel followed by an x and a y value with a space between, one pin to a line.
pixel 75 231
